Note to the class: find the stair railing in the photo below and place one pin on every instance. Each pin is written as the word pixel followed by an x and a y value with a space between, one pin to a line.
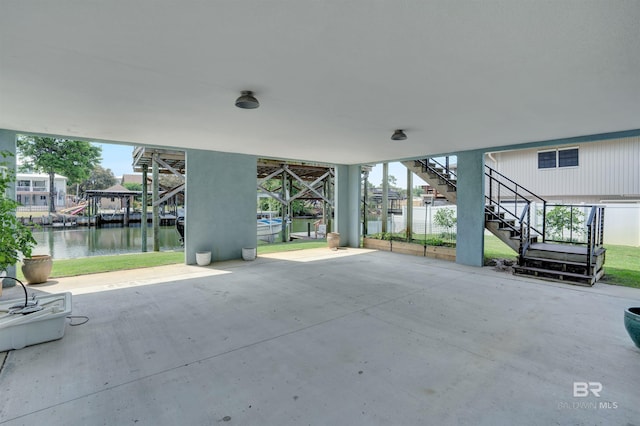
pixel 595 233
pixel 502 189
pixel 432 165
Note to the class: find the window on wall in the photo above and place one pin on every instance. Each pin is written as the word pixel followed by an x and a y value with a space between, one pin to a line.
pixel 565 157
pixel 547 159
pixel 568 157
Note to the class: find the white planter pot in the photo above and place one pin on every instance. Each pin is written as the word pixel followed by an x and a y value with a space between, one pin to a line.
pixel 203 258
pixel 249 253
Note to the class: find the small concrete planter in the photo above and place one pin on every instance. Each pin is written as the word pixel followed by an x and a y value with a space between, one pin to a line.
pixel 203 258
pixel 249 253
pixel 375 244
pixel 402 247
pixel 632 324
pixel 37 268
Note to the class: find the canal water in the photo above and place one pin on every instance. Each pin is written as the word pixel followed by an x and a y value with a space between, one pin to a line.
pixel 83 241
pixel 70 243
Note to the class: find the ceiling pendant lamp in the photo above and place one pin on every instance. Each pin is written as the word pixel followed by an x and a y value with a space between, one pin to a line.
pixel 247 100
pixel 398 135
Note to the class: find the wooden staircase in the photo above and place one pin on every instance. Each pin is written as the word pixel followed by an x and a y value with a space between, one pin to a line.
pixel 510 216
pixel 439 176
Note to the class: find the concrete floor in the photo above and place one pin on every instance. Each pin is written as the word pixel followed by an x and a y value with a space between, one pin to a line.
pixel 320 337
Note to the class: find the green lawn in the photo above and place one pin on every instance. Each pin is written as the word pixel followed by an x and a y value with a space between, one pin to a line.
pixel 621 267
pixel 96 264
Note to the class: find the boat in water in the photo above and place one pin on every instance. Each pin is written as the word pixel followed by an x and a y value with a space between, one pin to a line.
pixel 268 225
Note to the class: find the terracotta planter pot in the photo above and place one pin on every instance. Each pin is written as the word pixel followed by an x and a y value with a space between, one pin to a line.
pixel 333 239
pixel 36 269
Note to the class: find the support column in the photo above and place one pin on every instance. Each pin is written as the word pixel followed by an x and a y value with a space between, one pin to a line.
pixel 470 201
pixel 8 140
pixel 221 204
pixel 409 224
pixel 347 205
pixel 143 217
pixel 384 214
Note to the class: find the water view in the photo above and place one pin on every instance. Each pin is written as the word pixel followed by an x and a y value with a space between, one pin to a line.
pixel 70 243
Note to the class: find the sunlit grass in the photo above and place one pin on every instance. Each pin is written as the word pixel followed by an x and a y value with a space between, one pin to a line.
pixel 120 262
pixel 622 266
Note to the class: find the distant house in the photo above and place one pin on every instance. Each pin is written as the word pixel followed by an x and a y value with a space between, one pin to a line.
pixel 32 190
pixel 605 172
pixel 593 172
pixel 134 178
pixel 116 198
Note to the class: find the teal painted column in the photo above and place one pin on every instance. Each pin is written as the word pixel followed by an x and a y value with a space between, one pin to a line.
pixel 470 202
pixel 221 204
pixel 347 205
pixel 8 143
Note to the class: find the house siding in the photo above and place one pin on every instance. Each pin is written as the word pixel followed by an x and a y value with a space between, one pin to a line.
pixel 607 170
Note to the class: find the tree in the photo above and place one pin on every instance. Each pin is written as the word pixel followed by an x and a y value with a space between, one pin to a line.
pixel 445 218
pixel 15 238
pixel 132 186
pixel 73 159
pixel 100 178
pixel 564 219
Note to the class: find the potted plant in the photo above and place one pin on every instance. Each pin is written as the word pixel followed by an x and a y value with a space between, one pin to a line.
pixel 15 238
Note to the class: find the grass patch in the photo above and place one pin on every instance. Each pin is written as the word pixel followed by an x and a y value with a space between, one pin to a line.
pixel 494 248
pixel 96 264
pixel 121 262
pixel 621 267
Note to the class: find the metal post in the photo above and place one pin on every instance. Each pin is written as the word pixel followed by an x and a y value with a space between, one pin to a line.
pixel 143 217
pixel 426 207
pixel 385 196
pixel 285 207
pixel 127 203
pixel 156 208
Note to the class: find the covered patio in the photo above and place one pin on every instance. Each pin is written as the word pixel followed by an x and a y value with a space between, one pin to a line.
pixel 351 337
pixel 320 337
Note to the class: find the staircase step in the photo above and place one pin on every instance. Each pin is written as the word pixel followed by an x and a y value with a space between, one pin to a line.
pixel 549 274
pixel 545 259
pixel 503 222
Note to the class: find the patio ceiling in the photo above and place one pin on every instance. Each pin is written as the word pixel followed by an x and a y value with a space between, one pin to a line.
pixel 334 79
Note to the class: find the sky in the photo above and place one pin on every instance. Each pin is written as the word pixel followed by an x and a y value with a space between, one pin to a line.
pixel 118 158
pixel 397 170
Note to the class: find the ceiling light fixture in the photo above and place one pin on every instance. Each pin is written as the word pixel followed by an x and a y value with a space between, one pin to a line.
pixel 398 135
pixel 247 100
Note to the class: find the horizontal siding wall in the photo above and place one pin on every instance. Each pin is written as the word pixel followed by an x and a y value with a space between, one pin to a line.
pixel 607 170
